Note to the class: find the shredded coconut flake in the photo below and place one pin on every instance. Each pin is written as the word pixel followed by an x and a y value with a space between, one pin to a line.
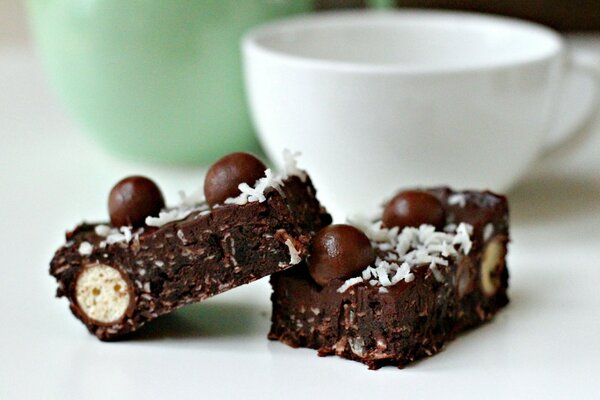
pixel 248 194
pixel 85 248
pixel 102 230
pixel 463 237
pixel 350 282
pixel 291 165
pixel 123 234
pixel 294 254
pixel 187 205
pixel 196 201
pixel 436 273
pixel 450 228
pixel 166 216
pixel 126 231
pixel 257 193
pixel 408 249
pixel 488 231
pixel 119 235
pixel 457 199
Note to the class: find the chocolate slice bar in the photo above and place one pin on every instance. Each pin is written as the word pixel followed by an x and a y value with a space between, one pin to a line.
pixel 117 279
pixel 427 285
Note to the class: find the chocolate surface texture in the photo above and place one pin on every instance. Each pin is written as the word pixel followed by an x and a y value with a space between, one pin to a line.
pixel 413 318
pixel 115 287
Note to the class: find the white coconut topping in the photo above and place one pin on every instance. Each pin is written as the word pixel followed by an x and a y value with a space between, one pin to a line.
pixel 436 273
pixel 463 237
pixel 457 199
pixel 187 205
pixel 407 249
pixel 488 231
pixel 257 193
pixel 294 254
pixel 251 194
pixel 102 293
pixel 450 228
pixel 248 194
pixel 102 230
pixel 350 282
pixel 196 202
pixel 85 248
pixel 123 234
pixel 291 165
pixel 165 216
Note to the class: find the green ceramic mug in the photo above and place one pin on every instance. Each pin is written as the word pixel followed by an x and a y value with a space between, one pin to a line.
pixel 154 79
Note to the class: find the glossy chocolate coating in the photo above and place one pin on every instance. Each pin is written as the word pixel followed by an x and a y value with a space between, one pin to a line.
pixel 414 208
pixel 223 178
pixel 339 252
pixel 132 200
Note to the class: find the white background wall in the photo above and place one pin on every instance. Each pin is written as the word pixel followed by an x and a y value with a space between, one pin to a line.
pixel 13 26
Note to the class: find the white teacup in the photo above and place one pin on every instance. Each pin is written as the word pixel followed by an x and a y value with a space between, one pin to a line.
pixel 376 101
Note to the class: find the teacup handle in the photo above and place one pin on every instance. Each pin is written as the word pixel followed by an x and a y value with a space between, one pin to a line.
pixel 571 123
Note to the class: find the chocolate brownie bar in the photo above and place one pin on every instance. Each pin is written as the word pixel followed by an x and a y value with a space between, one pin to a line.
pixel 118 277
pixel 435 275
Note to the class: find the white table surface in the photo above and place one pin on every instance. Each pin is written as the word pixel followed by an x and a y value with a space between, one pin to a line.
pixel 546 344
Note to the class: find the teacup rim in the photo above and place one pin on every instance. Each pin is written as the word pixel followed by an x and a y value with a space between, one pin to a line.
pixel 251 42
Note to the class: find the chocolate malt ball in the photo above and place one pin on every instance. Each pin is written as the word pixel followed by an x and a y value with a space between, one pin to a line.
pixel 339 252
pixel 413 208
pixel 224 176
pixel 132 200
